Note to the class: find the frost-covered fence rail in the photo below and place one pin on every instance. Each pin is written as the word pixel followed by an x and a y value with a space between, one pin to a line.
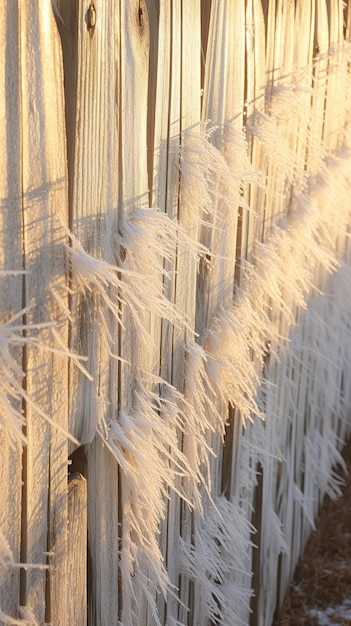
pixel 175 304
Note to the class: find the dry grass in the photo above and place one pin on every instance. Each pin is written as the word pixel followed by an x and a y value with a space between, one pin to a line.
pixel 322 581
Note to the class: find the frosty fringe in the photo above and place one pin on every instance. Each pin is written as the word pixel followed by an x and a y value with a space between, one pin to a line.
pixel 253 343
pixel 285 270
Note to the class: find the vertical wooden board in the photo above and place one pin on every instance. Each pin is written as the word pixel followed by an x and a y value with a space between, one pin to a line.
pixel 103 515
pixel 303 57
pixel 44 203
pixel 92 92
pixel 165 195
pixel 223 101
pixel 223 105
pixel 77 546
pixel 279 60
pixel 334 114
pixel 10 290
pixel 91 66
pixel 165 144
pixel 182 55
pixel 270 13
pixel 138 359
pixel 185 295
pixel 134 54
pixel 255 101
pixel 162 88
pixel 320 81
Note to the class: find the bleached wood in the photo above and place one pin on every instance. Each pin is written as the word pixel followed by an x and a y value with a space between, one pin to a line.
pixel 333 126
pixel 91 75
pixel 103 515
pixel 77 550
pixel 185 296
pixel 320 81
pixel 223 101
pixel 168 185
pixel 44 205
pixel 132 91
pixel 164 178
pixel 134 54
pixel 10 289
pixel 256 80
pixel 91 64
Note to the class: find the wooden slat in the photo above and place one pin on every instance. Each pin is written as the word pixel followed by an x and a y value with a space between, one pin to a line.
pixel 223 102
pixel 164 177
pixel 186 280
pixel 92 93
pixel 137 360
pixel 165 196
pixel 44 203
pixel 320 81
pixel 91 74
pixel 10 294
pixel 103 515
pixel 333 125
pixel 77 550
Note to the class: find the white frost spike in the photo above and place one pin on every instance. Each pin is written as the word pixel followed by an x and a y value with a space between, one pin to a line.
pixel 12 393
pixel 145 444
pixel 233 373
pixel 235 150
pixel 201 417
pixel 276 148
pixel 209 187
pixel 153 237
pixel 218 559
pixel 142 245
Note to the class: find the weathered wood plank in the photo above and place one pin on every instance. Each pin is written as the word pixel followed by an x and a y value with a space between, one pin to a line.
pixel 10 304
pixel 91 75
pixel 320 80
pixel 103 515
pixel 92 94
pixel 165 192
pixel 139 349
pixel 44 205
pixel 190 220
pixel 333 123
pixel 77 549
pixel 223 104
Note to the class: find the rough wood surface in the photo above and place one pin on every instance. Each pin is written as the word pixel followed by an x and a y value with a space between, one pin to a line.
pixel 77 550
pixel 175 260
pixel 10 300
pixel 91 65
pixel 44 205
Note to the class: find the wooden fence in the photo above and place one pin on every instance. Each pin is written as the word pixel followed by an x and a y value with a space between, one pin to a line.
pixel 175 383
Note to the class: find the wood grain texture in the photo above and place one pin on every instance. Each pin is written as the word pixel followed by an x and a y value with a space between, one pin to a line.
pixel 103 515
pixel 165 191
pixel 187 265
pixel 10 295
pixel 77 550
pixel 93 99
pixel 92 111
pixel 143 81
pixel 137 359
pixel 44 205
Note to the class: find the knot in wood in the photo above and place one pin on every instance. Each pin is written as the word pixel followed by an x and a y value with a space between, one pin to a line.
pixel 90 18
